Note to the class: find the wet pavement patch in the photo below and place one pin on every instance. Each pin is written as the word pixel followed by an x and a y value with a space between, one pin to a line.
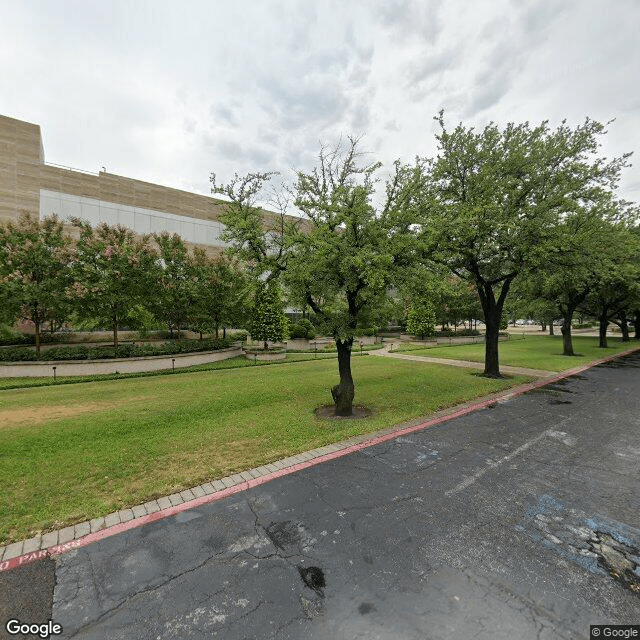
pixel 366 607
pixel 313 577
pixel 632 361
pixel 284 534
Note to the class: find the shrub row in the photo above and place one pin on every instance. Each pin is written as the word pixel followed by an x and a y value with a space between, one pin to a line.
pixel 82 352
pixel 302 329
pixel 18 339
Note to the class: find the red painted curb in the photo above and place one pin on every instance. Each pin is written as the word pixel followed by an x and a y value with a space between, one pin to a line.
pixel 225 493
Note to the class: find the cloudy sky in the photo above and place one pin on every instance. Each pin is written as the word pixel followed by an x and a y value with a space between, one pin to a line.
pixel 169 91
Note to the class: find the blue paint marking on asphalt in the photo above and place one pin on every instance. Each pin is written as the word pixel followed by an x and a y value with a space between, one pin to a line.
pixel 540 517
pixel 589 563
pixel 545 504
pixel 620 532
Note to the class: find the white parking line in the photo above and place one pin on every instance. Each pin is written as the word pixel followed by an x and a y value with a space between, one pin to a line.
pixel 467 482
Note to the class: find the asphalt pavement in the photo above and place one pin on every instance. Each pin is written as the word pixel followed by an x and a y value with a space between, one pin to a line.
pixel 521 520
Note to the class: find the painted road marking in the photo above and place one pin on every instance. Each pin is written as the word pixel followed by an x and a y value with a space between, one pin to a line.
pixel 549 433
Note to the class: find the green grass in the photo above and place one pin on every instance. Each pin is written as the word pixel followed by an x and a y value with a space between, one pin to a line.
pixel 534 352
pixel 73 452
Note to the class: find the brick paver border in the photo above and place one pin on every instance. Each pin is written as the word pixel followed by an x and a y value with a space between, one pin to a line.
pixel 56 542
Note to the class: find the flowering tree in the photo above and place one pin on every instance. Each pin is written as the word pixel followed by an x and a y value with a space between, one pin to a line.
pixel 220 294
pixel 113 273
pixel 176 286
pixel 34 271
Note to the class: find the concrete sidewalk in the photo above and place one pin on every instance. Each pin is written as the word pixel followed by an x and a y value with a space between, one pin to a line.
pixel 467 364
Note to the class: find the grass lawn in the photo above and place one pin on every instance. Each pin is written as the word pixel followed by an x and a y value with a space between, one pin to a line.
pixel 535 352
pixel 73 452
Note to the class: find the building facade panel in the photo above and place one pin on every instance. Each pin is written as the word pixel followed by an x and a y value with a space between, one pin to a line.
pixel 140 220
pixel 29 185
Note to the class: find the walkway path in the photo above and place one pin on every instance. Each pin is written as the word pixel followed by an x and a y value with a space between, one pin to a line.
pixel 467 364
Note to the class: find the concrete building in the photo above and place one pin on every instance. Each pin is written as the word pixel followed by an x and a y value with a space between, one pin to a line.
pixel 29 184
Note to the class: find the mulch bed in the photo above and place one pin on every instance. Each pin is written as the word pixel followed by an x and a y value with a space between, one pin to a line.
pixel 327 412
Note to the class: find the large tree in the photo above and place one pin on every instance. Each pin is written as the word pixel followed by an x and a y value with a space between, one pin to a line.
pixel 341 256
pixel 496 198
pixel 34 270
pixel 344 262
pixel 591 244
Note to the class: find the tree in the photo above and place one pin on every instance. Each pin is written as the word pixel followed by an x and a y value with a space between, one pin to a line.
pixel 34 270
pixel 615 287
pixel 494 200
pixel 589 241
pixel 343 263
pixel 221 293
pixel 341 257
pixel 421 319
pixel 260 238
pixel 113 272
pixel 268 321
pixel 175 292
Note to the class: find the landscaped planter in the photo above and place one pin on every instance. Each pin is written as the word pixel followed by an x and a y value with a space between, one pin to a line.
pixel 114 365
pixel 266 356
pixel 302 344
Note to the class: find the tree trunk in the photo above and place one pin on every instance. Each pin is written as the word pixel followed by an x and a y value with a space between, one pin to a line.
pixel 114 319
pixel 602 332
pixel 624 327
pixel 551 329
pixel 636 322
pixel 344 392
pixel 576 298
pixel 224 332
pixel 492 315
pixel 492 335
pixel 543 326
pixel 37 325
pixel 217 330
pixel 567 343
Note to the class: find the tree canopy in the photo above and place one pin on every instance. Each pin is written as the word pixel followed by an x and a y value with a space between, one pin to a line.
pixel 497 197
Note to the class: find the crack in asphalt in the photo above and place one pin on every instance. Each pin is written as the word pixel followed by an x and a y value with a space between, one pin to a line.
pixel 143 592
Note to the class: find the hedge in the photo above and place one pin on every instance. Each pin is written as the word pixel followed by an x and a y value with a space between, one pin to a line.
pixel 82 352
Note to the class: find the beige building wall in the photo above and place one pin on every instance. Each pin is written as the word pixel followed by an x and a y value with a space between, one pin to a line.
pixel 23 173
pixel 21 157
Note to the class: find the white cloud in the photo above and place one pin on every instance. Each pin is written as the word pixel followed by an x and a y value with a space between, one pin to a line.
pixel 168 92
